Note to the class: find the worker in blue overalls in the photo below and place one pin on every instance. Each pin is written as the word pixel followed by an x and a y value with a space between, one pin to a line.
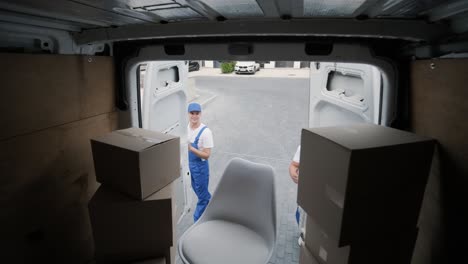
pixel 294 173
pixel 199 150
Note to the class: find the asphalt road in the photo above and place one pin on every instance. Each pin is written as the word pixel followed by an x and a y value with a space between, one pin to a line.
pixel 261 117
pixel 258 119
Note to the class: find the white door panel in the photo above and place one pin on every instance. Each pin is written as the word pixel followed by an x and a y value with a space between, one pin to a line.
pixel 327 114
pixel 344 93
pixel 164 103
pixel 165 98
pixel 163 120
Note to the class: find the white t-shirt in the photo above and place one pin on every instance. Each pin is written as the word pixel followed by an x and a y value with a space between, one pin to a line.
pixel 297 156
pixel 206 138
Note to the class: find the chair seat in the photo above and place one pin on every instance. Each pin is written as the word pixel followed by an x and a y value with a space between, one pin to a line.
pixel 218 241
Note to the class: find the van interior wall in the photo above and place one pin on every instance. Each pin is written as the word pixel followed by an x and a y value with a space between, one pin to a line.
pixel 52 105
pixel 438 109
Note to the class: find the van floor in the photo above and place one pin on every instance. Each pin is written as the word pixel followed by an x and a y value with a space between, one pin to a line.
pixel 258 119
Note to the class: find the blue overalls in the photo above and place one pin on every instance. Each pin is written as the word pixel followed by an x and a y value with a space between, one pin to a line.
pixel 199 172
pixel 298 215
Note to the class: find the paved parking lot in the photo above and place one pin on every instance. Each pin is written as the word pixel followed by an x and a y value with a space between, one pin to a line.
pixel 258 118
pixel 271 73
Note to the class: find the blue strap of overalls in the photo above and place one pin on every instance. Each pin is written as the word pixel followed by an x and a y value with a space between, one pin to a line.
pixel 192 156
pixel 198 137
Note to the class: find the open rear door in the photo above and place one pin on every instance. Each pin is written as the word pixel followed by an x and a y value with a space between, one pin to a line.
pixel 344 93
pixel 163 94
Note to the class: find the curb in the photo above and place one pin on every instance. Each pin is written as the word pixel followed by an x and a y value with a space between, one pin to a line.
pixel 209 100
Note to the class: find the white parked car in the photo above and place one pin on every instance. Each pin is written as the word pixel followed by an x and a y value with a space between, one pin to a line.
pixel 247 67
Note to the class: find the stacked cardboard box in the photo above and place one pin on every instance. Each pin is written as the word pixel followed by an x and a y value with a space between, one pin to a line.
pixel 362 188
pixel 151 261
pixel 136 161
pixel 306 257
pixel 395 248
pixel 133 212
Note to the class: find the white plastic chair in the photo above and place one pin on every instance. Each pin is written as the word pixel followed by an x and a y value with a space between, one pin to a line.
pixel 239 224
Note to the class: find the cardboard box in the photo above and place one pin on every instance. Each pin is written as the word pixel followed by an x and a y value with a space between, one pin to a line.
pixel 171 256
pixel 176 192
pixel 135 161
pixel 323 247
pixel 386 249
pixel 178 202
pixel 151 261
pixel 395 248
pixel 361 180
pixel 306 257
pixel 125 229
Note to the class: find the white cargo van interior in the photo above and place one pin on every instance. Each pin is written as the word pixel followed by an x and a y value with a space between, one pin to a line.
pixel 71 71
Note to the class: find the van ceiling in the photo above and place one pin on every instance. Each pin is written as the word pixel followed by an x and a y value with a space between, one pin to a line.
pixel 109 20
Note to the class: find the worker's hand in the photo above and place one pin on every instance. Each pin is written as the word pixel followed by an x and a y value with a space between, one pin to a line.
pixel 294 171
pixel 295 177
pixel 190 147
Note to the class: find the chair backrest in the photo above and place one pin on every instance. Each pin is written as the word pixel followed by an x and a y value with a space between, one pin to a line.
pixel 246 195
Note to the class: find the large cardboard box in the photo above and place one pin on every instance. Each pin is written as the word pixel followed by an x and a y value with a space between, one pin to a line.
pixel 390 248
pixel 136 161
pixel 323 247
pixel 151 261
pixel 171 256
pixel 176 192
pixel 387 249
pixel 306 257
pixel 126 229
pixel 168 259
pixel 361 180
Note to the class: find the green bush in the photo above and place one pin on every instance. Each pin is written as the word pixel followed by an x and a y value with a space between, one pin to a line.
pixel 227 66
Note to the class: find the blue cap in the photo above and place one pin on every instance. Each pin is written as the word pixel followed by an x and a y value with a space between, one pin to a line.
pixel 194 107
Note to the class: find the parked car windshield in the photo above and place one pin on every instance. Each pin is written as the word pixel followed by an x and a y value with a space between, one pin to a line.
pixel 245 63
